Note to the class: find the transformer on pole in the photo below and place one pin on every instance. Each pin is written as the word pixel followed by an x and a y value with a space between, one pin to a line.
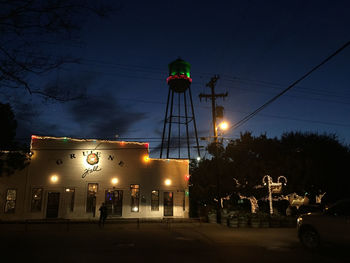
pixel 179 110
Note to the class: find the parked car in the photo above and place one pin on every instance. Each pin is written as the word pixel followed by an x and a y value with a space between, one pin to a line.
pixel 332 225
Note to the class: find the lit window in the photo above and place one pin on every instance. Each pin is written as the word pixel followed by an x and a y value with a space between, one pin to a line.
pixel 135 197
pixel 155 200
pixel 37 196
pixel 10 204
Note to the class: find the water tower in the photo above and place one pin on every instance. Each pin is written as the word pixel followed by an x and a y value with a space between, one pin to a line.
pixel 179 113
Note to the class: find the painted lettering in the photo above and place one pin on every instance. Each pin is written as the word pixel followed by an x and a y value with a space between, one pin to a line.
pixel 90 170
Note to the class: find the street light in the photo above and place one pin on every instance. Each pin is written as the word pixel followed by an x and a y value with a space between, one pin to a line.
pixel 223 126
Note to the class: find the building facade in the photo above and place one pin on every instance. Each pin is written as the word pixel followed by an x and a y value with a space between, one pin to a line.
pixel 70 178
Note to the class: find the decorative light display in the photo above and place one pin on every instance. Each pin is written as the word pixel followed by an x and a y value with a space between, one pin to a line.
pixel 273 187
pixel 121 143
pixel 92 159
pixel 178 77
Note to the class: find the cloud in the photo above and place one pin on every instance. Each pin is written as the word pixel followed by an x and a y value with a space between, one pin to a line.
pixel 69 86
pixel 28 116
pixel 103 116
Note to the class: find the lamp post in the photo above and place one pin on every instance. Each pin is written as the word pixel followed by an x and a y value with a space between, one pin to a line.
pixel 220 128
pixel 273 187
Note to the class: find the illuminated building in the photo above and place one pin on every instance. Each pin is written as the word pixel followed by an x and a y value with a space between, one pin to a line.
pixel 70 178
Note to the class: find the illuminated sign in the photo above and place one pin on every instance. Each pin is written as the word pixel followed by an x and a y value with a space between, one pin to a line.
pixel 92 159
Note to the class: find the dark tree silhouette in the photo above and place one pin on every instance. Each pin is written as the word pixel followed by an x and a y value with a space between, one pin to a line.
pixel 28 28
pixel 311 162
pixel 12 155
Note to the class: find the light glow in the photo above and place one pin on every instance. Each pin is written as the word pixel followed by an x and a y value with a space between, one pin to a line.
pixel 114 181
pixel 167 182
pixel 135 209
pixel 146 158
pixel 223 125
pixel 54 178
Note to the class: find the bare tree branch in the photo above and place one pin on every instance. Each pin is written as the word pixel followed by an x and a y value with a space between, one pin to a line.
pixel 27 26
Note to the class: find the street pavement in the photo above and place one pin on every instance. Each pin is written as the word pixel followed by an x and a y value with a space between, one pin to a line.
pixel 157 242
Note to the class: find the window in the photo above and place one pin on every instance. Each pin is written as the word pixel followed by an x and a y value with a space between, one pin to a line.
pixel 10 203
pixel 37 196
pixel 70 192
pixel 91 198
pixel 155 200
pixel 135 197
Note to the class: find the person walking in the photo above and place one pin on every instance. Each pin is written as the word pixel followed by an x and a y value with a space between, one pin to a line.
pixel 103 215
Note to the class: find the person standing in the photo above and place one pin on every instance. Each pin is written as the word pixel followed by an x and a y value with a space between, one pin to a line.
pixel 103 215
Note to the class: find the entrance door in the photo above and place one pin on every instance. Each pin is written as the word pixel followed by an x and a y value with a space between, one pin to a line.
pixel 53 202
pixel 168 203
pixel 114 202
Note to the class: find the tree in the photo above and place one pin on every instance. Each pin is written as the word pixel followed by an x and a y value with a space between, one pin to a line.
pixel 9 125
pixel 28 28
pixel 312 163
pixel 12 156
pixel 315 163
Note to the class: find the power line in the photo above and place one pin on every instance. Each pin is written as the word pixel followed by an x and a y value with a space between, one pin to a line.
pixel 251 115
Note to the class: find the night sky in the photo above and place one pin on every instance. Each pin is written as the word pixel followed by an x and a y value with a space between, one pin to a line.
pixel 257 47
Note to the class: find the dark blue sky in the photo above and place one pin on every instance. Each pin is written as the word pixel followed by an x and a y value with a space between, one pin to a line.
pixel 257 47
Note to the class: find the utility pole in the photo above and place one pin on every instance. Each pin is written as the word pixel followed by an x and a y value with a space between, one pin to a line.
pixel 213 96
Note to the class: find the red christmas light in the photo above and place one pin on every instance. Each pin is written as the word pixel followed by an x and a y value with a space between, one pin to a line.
pixel 178 77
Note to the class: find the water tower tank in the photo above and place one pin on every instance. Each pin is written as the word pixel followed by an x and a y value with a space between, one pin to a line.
pixel 179 78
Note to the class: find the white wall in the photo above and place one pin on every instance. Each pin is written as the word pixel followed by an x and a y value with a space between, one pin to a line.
pixel 65 158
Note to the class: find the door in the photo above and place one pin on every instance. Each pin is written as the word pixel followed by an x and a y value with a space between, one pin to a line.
pixel 53 202
pixel 168 203
pixel 114 202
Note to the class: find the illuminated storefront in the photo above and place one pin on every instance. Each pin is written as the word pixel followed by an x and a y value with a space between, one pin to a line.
pixel 71 178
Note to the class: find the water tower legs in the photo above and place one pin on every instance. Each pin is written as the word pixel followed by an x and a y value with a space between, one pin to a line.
pixel 179 117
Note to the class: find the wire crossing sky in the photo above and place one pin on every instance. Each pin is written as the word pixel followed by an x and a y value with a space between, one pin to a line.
pixel 247 118
pixel 257 47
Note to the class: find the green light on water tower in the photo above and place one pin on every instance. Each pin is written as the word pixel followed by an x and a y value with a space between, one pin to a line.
pixel 180 67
